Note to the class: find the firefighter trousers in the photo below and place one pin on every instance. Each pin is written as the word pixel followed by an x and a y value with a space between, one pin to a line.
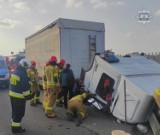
pixel 51 98
pixel 45 93
pixel 36 97
pixel 18 111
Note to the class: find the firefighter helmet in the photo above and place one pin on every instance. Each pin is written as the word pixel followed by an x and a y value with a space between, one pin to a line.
pixel 25 63
pixel 62 62
pixel 53 59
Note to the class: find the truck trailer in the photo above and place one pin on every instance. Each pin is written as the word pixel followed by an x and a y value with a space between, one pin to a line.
pixel 72 40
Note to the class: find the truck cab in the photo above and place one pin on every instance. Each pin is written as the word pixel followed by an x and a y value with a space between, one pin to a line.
pixel 4 73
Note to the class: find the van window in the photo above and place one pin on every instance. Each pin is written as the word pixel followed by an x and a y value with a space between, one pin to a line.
pixel 105 87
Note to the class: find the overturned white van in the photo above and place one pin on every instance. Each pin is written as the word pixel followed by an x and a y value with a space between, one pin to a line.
pixel 135 75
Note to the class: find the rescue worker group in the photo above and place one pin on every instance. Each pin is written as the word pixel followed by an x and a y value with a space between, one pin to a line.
pixel 58 82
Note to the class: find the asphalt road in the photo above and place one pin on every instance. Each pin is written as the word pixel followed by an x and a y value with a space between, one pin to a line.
pixel 36 123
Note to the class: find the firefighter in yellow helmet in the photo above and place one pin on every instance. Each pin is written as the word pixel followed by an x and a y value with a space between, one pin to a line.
pixel 52 79
pixel 76 108
pixel 44 81
pixel 33 77
pixel 59 99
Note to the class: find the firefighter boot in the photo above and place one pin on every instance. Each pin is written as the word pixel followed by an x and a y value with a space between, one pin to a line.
pixel 38 98
pixel 32 103
pixel 51 115
pixel 69 116
pixel 18 130
pixel 38 102
pixel 79 120
pixel 59 103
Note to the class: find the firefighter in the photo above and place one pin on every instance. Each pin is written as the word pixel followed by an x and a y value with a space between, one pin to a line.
pixel 33 77
pixel 59 99
pixel 52 79
pixel 19 93
pixel 76 108
pixel 44 80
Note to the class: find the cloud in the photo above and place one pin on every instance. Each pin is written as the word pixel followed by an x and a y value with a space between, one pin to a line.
pixel 157 13
pixel 53 1
pixel 11 0
pixel 79 4
pixel 98 4
pixel 74 3
pixel 8 23
pixel 118 4
pixel 21 6
pixel 43 11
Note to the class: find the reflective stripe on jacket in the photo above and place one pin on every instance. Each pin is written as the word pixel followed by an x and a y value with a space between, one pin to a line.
pixel 19 83
pixel 19 95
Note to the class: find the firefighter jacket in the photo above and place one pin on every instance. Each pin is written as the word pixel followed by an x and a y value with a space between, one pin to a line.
pixel 33 76
pixel 59 71
pixel 79 98
pixel 19 83
pixel 77 103
pixel 44 79
pixel 51 76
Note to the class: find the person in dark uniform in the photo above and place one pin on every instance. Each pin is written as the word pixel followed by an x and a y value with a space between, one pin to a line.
pixel 19 93
pixel 67 83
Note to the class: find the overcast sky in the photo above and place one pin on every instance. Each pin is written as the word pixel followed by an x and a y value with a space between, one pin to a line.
pixel 123 34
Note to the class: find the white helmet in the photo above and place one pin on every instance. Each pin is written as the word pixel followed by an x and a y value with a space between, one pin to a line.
pixel 25 63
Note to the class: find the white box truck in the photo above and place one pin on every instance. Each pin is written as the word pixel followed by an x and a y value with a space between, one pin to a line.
pixel 72 40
